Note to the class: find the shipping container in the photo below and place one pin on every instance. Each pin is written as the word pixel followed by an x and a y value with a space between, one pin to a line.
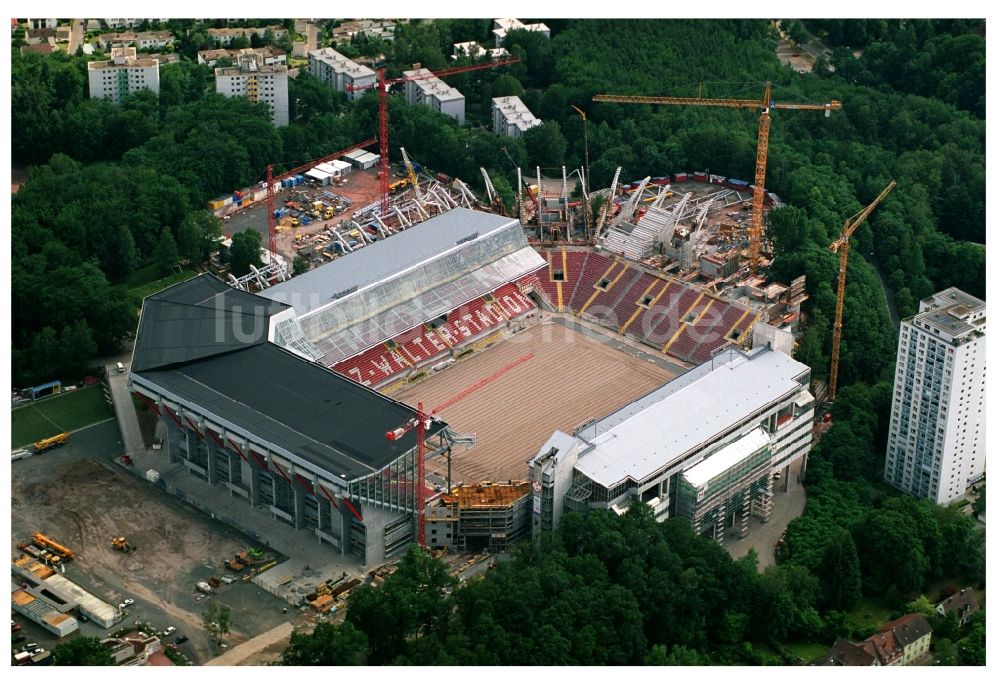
pixel 715 178
pixel 680 177
pixel 700 177
pixel 214 204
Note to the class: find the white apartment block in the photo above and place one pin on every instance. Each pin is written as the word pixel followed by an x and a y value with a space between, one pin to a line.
pixel 258 83
pixel 434 93
pixel 473 49
pixel 502 26
pixel 124 73
pixel 225 36
pixel 937 436
pixel 144 40
pixel 338 72
pixel 511 118
pixel 715 436
pixel 269 57
pixel 42 23
pixel 382 30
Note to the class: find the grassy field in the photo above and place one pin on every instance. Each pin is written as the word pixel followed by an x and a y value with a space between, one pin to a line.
pixel 870 612
pixel 55 415
pixel 807 651
pixel 140 286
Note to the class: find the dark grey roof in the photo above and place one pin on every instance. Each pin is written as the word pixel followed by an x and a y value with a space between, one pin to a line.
pixel 909 628
pixel 324 418
pixel 385 258
pixel 198 341
pixel 844 653
pixel 198 318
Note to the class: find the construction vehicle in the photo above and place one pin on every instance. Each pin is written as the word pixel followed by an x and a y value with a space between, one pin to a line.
pixel 122 545
pixel 51 443
pixel 46 541
pixel 843 245
pixel 765 105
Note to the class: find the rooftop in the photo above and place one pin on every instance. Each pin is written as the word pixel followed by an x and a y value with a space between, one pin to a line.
pixel 680 417
pixel 729 456
pixel 952 312
pixel 486 495
pixel 386 258
pixel 339 63
pixel 206 343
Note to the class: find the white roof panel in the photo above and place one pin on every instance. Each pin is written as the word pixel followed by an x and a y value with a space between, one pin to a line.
pixel 686 413
pixel 726 458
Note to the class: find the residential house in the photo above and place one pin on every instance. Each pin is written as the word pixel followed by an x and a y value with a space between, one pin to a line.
pixel 961 605
pixel 902 642
pixel 38 36
pixel 846 653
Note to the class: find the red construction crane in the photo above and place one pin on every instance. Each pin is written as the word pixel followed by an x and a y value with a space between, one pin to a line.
pixel 422 421
pixel 383 110
pixel 271 180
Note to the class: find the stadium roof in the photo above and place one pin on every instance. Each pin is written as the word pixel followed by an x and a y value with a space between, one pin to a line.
pixel 198 318
pixel 686 413
pixel 322 418
pixel 384 259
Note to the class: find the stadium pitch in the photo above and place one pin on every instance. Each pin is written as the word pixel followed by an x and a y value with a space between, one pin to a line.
pixel 546 378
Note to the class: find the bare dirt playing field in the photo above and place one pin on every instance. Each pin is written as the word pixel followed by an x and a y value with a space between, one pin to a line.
pixel 568 379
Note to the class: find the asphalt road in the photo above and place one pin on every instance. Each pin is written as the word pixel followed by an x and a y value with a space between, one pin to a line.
pixel 763 536
pixel 75 36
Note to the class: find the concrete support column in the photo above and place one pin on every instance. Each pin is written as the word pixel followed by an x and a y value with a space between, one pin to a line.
pixel 345 530
pixel 745 514
pixel 211 450
pixel 720 524
pixel 254 483
pixel 300 504
pixel 173 440
pixel 323 512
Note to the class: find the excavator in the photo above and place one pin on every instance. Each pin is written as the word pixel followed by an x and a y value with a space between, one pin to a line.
pixel 122 545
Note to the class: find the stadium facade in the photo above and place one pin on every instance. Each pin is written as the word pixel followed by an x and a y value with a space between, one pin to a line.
pixel 703 446
pixel 245 386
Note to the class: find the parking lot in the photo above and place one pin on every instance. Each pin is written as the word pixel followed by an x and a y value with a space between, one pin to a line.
pixel 361 189
pixel 77 495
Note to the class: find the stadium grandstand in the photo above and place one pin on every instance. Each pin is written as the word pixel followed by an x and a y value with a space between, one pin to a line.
pixel 279 397
pixel 671 316
pixel 273 428
pixel 703 446
pixel 380 313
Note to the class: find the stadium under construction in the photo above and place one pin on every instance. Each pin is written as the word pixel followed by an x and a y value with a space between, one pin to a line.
pixel 284 397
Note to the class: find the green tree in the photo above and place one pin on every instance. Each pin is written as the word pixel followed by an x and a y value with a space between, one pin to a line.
pixel 166 255
pixel 198 235
pixel 546 145
pixel 676 656
pixel 840 573
pixel 921 605
pixel 299 265
pixel 77 347
pixel 244 251
pixel 81 651
pixel 327 645
pixel 216 620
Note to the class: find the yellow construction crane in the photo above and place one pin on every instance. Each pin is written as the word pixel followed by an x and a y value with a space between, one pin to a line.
pixel 766 104
pixel 410 173
pixel 843 245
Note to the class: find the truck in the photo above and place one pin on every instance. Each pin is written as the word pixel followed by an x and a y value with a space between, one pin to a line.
pixel 51 443
pixel 45 541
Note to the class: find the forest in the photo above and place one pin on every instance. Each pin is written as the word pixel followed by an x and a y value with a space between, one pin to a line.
pixel 115 192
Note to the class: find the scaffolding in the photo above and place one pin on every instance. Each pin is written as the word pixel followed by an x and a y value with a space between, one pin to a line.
pixel 734 482
pixel 491 516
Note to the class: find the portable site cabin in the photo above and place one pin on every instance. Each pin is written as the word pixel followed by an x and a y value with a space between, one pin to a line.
pixel 320 177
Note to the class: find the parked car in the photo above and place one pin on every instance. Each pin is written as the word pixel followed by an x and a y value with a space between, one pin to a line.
pixel 182 639
pixel 14 627
pixel 126 603
pixel 169 631
pixel 31 646
pixel 17 639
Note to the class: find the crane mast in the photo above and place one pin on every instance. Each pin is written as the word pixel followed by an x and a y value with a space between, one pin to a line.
pixel 843 245
pixel 382 84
